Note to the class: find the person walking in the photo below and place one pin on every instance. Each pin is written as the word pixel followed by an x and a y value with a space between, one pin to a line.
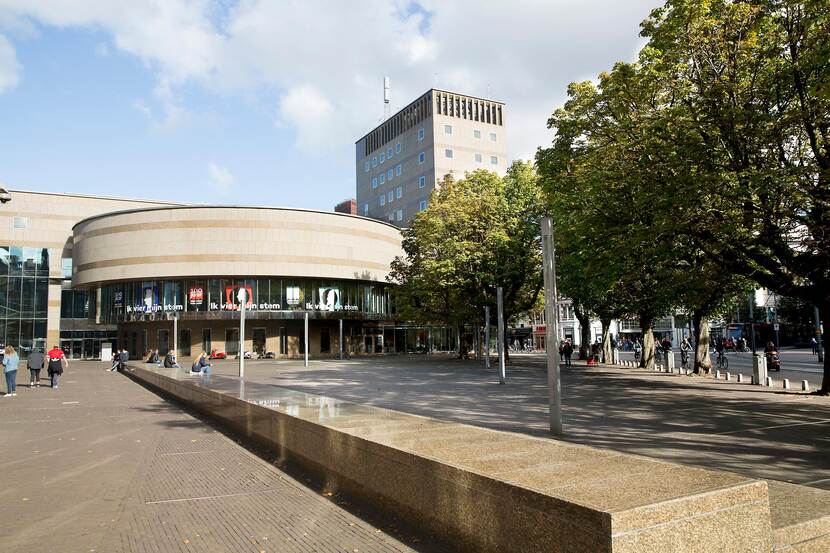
pixel 10 361
pixel 567 352
pixel 35 364
pixel 57 362
pixel 814 345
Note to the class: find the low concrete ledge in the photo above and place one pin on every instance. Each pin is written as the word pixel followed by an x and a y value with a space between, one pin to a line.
pixel 485 490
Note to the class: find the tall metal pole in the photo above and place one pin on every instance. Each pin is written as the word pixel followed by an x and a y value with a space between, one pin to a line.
pixel 500 315
pixel 243 299
pixel 552 329
pixel 487 337
pixel 341 338
pixel 176 336
pixel 306 338
pixel 752 317
pixel 819 336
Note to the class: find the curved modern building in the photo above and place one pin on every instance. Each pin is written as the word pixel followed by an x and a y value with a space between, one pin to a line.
pixel 85 271
pixel 148 266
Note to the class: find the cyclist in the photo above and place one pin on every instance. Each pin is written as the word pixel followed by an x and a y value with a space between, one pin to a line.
pixel 685 348
pixel 638 349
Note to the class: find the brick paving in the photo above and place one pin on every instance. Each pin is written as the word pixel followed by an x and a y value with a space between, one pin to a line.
pixel 104 465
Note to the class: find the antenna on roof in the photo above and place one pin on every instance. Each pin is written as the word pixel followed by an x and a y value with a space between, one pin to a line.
pixel 387 97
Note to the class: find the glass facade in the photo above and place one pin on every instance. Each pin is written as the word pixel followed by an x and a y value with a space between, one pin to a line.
pixel 24 293
pixel 157 299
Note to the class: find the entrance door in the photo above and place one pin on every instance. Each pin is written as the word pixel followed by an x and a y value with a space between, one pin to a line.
pixel 259 341
pixel 232 341
pixel 184 342
pixel 206 344
pixel 163 342
pixel 283 341
pixel 325 340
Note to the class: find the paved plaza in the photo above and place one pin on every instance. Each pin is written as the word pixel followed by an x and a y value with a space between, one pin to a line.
pixel 103 465
pixel 757 431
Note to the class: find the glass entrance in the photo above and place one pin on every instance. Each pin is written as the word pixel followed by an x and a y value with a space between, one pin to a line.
pixel 184 342
pixel 232 341
pixel 259 341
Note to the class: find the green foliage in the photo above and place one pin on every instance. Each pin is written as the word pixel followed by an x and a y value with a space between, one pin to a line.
pixel 478 233
pixel 707 161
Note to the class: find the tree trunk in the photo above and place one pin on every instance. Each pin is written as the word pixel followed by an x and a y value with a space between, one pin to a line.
pixel 647 327
pixel 607 356
pixel 824 311
pixel 584 333
pixel 703 361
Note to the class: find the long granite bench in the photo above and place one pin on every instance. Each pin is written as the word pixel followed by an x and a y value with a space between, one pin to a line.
pixel 486 491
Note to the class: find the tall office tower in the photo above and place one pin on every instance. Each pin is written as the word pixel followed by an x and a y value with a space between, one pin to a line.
pixel 400 162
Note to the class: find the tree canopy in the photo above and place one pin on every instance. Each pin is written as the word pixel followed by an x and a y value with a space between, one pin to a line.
pixel 477 234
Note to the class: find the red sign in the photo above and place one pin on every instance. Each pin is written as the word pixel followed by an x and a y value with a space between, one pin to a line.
pixel 196 295
pixel 541 329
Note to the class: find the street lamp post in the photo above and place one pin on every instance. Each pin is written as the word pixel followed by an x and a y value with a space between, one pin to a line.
pixel 242 296
pixel 305 356
pixel 487 337
pixel 500 315
pixel 819 336
pixel 552 328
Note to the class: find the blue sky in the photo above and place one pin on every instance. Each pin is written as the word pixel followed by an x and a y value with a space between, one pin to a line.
pixel 260 102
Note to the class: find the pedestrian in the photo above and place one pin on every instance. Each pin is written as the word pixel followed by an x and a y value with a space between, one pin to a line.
pixel 57 362
pixel 567 351
pixel 35 364
pixel 200 366
pixel 814 345
pixel 170 360
pixel 123 357
pixel 10 361
pixel 638 348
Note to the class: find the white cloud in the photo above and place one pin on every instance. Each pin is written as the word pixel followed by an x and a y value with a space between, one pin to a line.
pixel 311 114
pixel 323 62
pixel 221 180
pixel 9 68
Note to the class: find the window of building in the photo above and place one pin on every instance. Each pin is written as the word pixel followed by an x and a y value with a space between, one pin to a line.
pixel 390 196
pixel 375 182
pixel 375 161
pixel 493 136
pixel 399 192
pixel 448 153
pixel 399 215
pixel 478 158
pixel 398 148
pixel 366 209
pixel 422 182
pixel 21 222
pixel 476 133
pixel 292 295
pixel 381 157
pixel 382 199
pixel 382 178
pixel 420 134
pixel 389 152
pixel 422 206
pixel 398 170
pixel 389 174
pixel 391 217
pixel 494 160
pixel 447 129
pixel 366 166
pixel 421 158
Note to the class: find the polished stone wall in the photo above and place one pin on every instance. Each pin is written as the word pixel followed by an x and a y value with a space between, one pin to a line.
pixel 484 490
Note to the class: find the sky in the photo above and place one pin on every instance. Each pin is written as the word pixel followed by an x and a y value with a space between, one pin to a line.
pixel 260 102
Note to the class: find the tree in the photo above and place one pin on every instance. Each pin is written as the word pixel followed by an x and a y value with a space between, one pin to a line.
pixel 477 234
pixel 750 81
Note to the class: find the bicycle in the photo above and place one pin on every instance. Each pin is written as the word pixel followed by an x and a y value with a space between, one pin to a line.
pixel 723 362
pixel 684 360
